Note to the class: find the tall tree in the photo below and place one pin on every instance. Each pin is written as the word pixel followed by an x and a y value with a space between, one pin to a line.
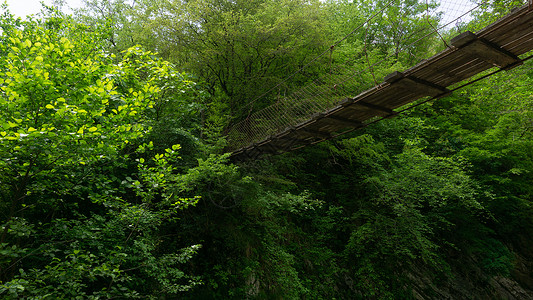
pixel 239 48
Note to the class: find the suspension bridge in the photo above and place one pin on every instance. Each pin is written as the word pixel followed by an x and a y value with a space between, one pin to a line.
pixel 325 109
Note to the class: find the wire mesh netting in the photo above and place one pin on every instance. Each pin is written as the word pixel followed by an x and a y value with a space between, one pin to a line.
pixel 409 31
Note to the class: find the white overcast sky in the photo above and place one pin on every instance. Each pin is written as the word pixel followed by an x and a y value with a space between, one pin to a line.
pixel 22 8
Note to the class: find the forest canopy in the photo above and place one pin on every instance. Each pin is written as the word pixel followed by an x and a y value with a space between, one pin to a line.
pixel 114 181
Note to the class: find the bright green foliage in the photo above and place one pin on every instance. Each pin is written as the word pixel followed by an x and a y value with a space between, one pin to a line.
pixel 490 125
pixel 74 222
pixel 492 11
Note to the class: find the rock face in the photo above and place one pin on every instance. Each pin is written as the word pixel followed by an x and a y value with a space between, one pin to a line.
pixel 507 288
pixel 471 282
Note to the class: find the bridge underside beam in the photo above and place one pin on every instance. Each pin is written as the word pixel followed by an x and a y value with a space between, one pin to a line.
pixel 383 111
pixel 469 43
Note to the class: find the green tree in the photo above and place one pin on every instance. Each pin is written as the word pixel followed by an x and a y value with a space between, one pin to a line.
pixel 83 195
pixel 239 48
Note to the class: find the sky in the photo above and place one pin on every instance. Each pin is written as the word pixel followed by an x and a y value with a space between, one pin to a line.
pixel 22 8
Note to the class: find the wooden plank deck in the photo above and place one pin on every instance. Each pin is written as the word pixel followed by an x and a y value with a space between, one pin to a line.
pixel 498 45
